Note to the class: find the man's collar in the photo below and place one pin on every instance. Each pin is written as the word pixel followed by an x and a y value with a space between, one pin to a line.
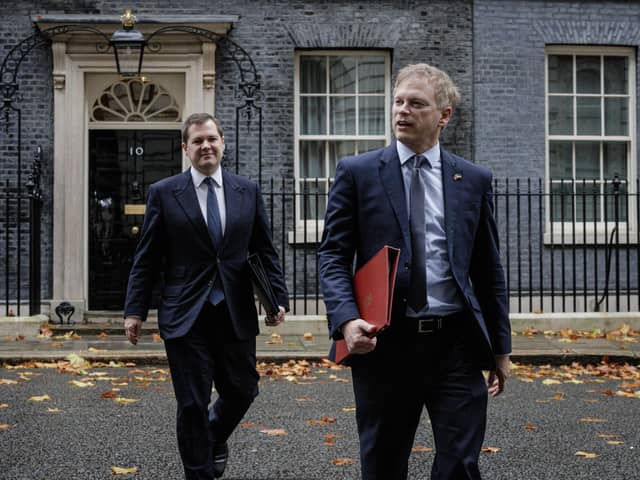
pixel 432 155
pixel 198 176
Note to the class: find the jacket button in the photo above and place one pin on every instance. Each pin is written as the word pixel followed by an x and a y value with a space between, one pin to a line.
pixel 218 260
pixel 210 282
pixel 404 300
pixel 407 265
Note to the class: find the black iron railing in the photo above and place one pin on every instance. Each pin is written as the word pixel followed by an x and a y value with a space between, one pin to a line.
pixel 566 246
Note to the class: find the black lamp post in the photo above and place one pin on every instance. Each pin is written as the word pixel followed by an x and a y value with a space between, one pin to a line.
pixel 128 46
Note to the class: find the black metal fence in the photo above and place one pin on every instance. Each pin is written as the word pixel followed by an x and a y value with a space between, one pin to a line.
pixel 566 246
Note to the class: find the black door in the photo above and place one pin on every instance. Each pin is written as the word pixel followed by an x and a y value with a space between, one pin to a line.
pixel 122 165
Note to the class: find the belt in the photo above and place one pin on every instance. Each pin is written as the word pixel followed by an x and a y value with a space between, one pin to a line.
pixel 434 324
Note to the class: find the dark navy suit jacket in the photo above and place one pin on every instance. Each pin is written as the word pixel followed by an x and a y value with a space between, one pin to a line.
pixel 175 237
pixel 367 210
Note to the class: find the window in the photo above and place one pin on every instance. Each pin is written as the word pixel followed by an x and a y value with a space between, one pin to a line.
pixel 341 108
pixel 590 96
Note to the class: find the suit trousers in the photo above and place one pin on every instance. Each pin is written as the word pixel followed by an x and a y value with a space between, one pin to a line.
pixel 407 372
pixel 210 354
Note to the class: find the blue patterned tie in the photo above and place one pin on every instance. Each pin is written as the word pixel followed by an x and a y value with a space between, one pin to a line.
pixel 417 225
pixel 216 295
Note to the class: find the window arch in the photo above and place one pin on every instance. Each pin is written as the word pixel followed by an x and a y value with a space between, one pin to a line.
pixel 135 100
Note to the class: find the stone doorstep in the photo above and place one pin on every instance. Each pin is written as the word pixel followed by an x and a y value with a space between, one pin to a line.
pixel 317 324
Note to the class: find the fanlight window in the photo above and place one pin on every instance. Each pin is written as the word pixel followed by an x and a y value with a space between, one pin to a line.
pixel 135 101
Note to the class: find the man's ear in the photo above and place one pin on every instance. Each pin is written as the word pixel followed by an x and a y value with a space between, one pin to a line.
pixel 445 116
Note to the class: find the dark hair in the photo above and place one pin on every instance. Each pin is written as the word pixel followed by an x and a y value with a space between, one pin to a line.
pixel 198 119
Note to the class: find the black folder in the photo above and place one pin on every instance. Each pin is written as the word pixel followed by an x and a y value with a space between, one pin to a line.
pixel 262 285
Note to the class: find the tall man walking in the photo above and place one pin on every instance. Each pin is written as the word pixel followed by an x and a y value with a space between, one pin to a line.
pixel 450 317
pixel 200 226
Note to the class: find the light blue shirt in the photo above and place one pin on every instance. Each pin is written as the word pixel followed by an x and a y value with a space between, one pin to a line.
pixel 442 291
pixel 202 191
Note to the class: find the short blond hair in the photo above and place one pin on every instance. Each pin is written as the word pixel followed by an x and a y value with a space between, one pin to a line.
pixel 447 94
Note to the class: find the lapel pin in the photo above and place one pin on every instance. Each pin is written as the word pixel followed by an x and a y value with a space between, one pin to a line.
pixel 457 177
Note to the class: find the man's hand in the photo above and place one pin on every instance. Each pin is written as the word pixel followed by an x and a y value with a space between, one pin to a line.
pixel 359 336
pixel 498 378
pixel 277 319
pixel 133 329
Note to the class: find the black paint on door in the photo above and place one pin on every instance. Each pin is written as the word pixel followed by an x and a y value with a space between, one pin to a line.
pixel 122 165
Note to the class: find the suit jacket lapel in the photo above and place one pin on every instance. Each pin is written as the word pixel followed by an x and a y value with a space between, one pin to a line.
pixel 451 186
pixel 234 199
pixel 391 177
pixel 186 197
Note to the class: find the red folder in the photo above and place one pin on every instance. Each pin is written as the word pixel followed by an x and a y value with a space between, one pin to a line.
pixel 373 286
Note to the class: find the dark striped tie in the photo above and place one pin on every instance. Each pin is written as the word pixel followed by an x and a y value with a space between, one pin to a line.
pixel 216 295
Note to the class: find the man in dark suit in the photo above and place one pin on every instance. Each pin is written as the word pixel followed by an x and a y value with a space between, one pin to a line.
pixel 199 227
pixel 450 317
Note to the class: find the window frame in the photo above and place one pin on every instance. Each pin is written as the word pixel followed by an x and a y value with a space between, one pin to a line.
pixel 591 230
pixel 306 229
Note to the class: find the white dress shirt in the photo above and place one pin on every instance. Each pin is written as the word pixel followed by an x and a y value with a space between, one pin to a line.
pixel 202 191
pixel 442 292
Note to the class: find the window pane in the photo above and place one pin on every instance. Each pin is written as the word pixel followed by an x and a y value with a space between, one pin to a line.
pixel 588 74
pixel 588 200
pixel 560 74
pixel 342 74
pixel 560 115
pixel 368 145
pixel 314 200
pixel 560 160
pixel 616 116
pixel 338 150
pixel 313 76
pixel 371 74
pixel 615 160
pixel 588 112
pixel 372 117
pixel 561 201
pixel 343 115
pixel 615 74
pixel 587 160
pixel 313 117
pixel 312 164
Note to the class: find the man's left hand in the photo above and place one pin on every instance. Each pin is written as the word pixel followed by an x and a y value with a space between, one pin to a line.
pixel 273 320
pixel 498 377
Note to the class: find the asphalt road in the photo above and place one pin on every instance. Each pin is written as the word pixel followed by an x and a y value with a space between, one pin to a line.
pixel 297 428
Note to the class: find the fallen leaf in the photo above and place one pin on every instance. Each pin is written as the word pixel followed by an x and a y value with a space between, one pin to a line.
pixel 3 406
pixel 275 432
pixel 251 425
pixel 490 449
pixel 315 422
pixel 6 381
pixel 593 420
pixel 586 455
pixel 349 409
pixel 305 399
pixel 308 336
pixel 342 461
pixel 615 442
pixel 608 435
pixel 530 426
pixel 123 470
pixel 550 381
pixel 97 350
pixel 41 398
pixel 103 335
pixel 419 448
pixel 54 410
pixel 109 394
pixel 156 337
pixel 4 426
pixel 125 401
pixel 79 384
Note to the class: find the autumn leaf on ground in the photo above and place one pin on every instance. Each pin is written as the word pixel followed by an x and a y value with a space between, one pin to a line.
pixel 608 435
pixel 342 461
pixel 251 425
pixel 420 448
pixel 6 381
pixel 156 337
pixel 103 335
pixel 530 426
pixel 550 381
pixel 54 410
pixel 615 442
pixel 490 449
pixel 349 409
pixel 276 339
pixel 593 420
pixel 586 455
pixel 109 394
pixel 308 336
pixel 315 422
pixel 125 401
pixel 330 438
pixel 3 406
pixel 76 361
pixel 79 384
pixel 305 399
pixel 70 335
pixel 97 350
pixel 4 426
pixel 123 470
pixel 41 398
pixel 275 432
pixel 45 332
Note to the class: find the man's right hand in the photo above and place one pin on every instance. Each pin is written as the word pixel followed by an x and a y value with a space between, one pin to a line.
pixel 359 336
pixel 133 329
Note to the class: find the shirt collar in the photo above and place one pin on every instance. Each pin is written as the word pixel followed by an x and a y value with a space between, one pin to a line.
pixel 198 177
pixel 432 155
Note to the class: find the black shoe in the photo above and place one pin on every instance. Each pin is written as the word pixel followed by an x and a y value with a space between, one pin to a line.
pixel 220 456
